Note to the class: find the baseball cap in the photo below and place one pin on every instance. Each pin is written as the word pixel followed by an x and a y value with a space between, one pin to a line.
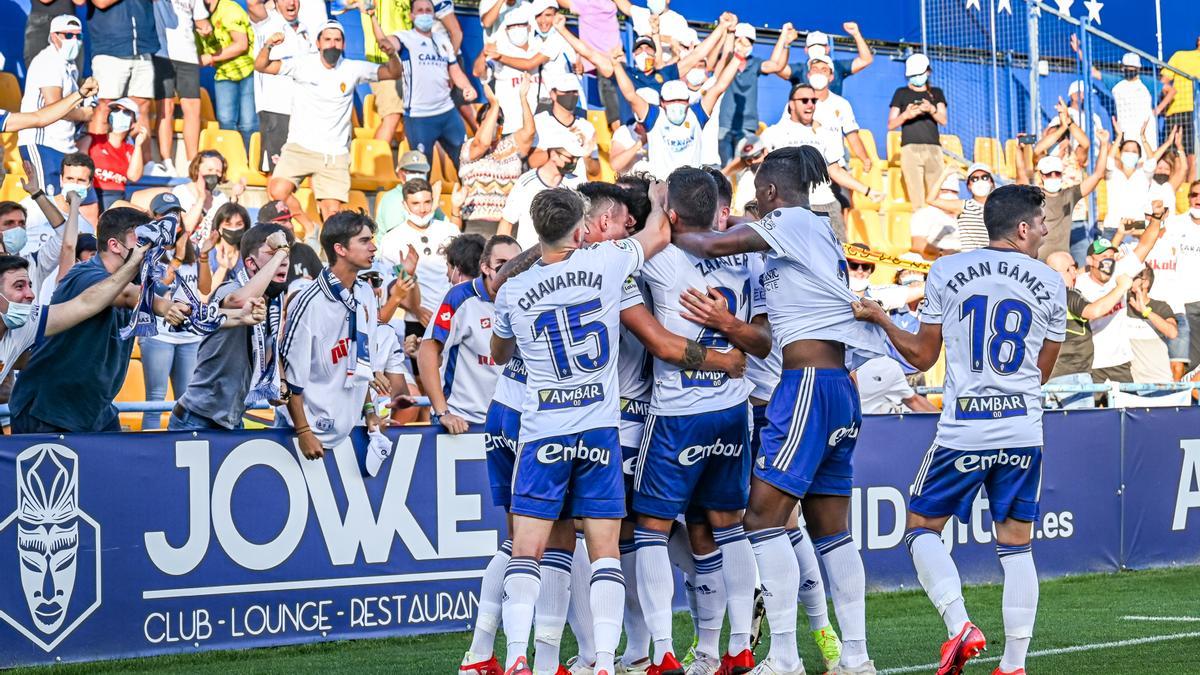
pixel 820 59
pixel 745 30
pixel 912 257
pixel 566 141
pixel 414 161
pixel 688 37
pixel 643 41
pixel 980 166
pixel 517 15
pixel 332 23
pixel 1075 88
pixel 274 212
pixel 750 146
pixel 854 248
pixel 1050 164
pixel 816 38
pixel 1100 246
pixel 538 6
pixel 65 23
pixel 164 203
pixel 126 103
pixel 952 183
pixel 675 90
pixel 85 242
pixel 563 81
pixel 1131 60
pixel 915 65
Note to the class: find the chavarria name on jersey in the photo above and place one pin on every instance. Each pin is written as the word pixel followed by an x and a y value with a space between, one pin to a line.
pixel 558 283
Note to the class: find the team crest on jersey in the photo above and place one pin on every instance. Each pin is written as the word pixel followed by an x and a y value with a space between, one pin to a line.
pixel 990 407
pixel 343 87
pixel 51 548
pixel 575 397
pixel 485 323
pixel 624 245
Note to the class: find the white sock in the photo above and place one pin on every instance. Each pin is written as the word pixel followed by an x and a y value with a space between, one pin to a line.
pixel 608 604
pixel 848 587
pixel 812 589
pixel 739 586
pixel 487 617
pixel 637 637
pixel 780 579
pixel 1020 603
pixel 550 611
pixel 579 611
pixel 679 550
pixel 938 576
pixel 710 593
pixel 653 576
pixel 522 582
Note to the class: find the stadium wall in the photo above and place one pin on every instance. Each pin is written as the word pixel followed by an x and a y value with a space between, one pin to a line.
pixel 176 542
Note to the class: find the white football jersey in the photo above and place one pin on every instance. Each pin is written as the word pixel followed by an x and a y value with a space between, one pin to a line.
pixel 995 308
pixel 807 284
pixel 763 374
pixel 668 276
pixel 670 146
pixel 510 386
pixel 635 369
pixel 565 317
pixel 463 324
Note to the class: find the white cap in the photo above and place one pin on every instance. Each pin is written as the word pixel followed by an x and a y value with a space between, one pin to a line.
pixel 980 166
pixel 745 30
pixel 1075 88
pixel 566 141
pixel 675 90
pixel 517 16
pixel 563 81
pixel 128 104
pixel 688 36
pixel 649 95
pixel 820 59
pixel 538 6
pixel 65 23
pixel 912 257
pixel 816 38
pixel 952 183
pixel 1131 60
pixel 1050 164
pixel 915 65
pixel 332 23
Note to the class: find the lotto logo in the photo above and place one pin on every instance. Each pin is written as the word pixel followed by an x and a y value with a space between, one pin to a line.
pixel 692 454
pixel 485 323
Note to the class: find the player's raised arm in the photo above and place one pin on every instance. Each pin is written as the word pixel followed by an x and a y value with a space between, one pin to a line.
pixel 737 239
pixel 921 349
pixel 711 310
pixel 676 350
pixel 657 233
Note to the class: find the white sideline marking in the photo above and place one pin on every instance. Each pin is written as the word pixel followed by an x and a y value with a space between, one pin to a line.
pixel 1168 619
pixel 307 584
pixel 1055 652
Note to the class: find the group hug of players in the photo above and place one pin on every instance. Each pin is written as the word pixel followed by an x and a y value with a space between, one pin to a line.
pixel 682 396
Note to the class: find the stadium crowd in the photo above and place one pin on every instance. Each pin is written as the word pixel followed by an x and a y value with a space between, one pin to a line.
pixel 236 296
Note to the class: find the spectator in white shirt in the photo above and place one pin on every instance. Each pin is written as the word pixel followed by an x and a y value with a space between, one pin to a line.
pixel 273 93
pixel 512 55
pixel 564 95
pixel 177 73
pixel 934 232
pixel 424 236
pixel 884 390
pixel 1184 231
pixel 51 77
pixel 968 213
pixel 563 151
pixel 207 172
pixel 1129 181
pixel 750 155
pixel 319 130
pixel 670 24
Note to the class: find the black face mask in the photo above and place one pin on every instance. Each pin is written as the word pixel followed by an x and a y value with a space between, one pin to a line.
pixel 1162 178
pixel 331 55
pixel 233 237
pixel 1131 74
pixel 1107 265
pixel 276 289
pixel 568 101
pixel 569 167
pixel 210 182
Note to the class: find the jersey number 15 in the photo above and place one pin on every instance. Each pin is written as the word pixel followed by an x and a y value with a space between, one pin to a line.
pixel 565 328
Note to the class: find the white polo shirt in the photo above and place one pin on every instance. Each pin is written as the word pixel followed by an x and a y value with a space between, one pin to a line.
pixel 321 119
pixel 547 124
pixel 273 93
pixel 426 73
pixel 508 80
pixel 16 340
pixel 175 21
pixel 463 324
pixel 790 133
pixel 49 69
pixel 516 208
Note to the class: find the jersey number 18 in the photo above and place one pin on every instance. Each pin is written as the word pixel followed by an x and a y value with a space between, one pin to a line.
pixel 1010 322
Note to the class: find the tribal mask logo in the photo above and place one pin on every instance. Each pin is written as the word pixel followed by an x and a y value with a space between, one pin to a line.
pixel 53 545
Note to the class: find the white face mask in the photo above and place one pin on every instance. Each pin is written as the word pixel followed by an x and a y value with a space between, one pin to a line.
pixel 656 6
pixel 519 36
pixel 17 315
pixel 70 49
pixel 697 77
pixel 1052 185
pixel 1129 159
pixel 981 188
pixel 819 81
pixel 421 221
pixel 1194 213
pixel 640 59
pixel 911 279
pixel 676 112
pixel 859 284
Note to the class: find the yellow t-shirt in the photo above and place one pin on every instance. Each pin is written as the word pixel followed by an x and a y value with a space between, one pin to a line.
pixel 1189 62
pixel 393 16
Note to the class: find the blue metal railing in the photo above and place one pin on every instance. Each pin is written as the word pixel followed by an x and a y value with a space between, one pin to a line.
pixel 167 406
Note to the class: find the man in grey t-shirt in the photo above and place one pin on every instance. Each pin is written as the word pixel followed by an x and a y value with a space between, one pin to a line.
pixel 236 367
pixel 1061 201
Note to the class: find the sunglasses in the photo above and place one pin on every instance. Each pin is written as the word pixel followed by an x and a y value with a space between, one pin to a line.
pixel 855 265
pixel 806 100
pixel 976 179
pixel 1054 174
pixel 1193 195
pixel 68 36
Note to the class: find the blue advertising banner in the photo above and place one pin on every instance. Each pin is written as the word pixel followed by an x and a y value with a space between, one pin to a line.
pixel 1162 487
pixel 141 544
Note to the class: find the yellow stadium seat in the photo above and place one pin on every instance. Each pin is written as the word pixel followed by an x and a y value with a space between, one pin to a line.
pixel 254 175
pixel 874 180
pixel 1181 198
pixel 309 203
pixel 899 231
pixel 363 132
pixel 445 203
pixel 1101 200
pixel 229 144
pixel 599 120
pixel 893 148
pixel 208 114
pixel 10 92
pixel 9 141
pixel 11 190
pixel 868 140
pixel 443 170
pixel 371 119
pixel 371 165
pixel 897 193
pixel 987 150
pixel 358 202
pixel 953 144
pixel 133 389
pixel 1011 148
pixel 856 228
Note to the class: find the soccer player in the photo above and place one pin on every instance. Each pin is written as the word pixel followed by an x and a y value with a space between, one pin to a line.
pixel 563 315
pixel 1002 315
pixel 814 415
pixel 694 456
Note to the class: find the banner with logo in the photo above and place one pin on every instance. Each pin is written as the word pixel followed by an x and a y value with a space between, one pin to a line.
pixel 139 544
pixel 1162 487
